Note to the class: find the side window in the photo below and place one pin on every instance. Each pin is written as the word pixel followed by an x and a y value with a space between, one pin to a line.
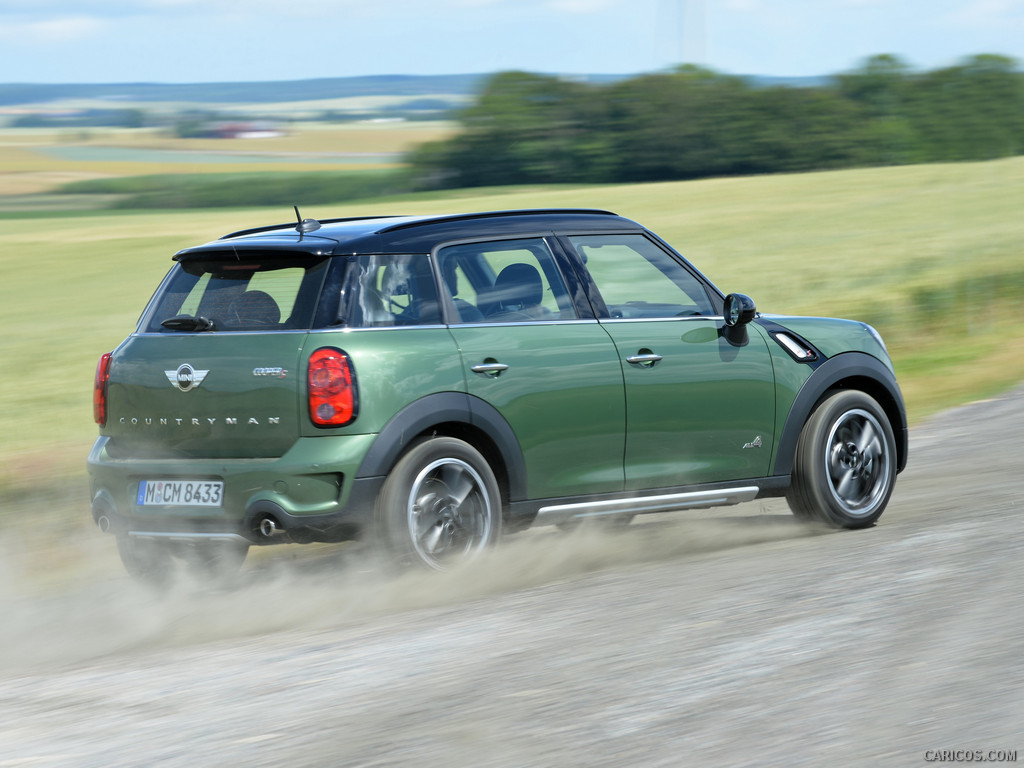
pixel 637 279
pixel 386 291
pixel 507 281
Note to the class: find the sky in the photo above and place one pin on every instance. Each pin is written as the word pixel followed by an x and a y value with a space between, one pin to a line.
pixel 186 41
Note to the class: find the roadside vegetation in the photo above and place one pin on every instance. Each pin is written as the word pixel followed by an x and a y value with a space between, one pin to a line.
pixel 241 189
pixel 695 123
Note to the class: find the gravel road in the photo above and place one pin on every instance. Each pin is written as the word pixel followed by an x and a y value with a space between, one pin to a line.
pixel 733 637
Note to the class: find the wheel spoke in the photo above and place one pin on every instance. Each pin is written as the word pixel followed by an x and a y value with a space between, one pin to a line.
pixel 422 513
pixel 869 440
pixel 431 538
pixel 835 460
pixel 459 482
pixel 845 484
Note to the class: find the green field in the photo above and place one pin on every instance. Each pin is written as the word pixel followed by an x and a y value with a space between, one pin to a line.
pixel 931 255
pixel 39 161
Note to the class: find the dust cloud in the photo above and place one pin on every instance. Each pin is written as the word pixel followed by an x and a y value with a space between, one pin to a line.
pixel 93 610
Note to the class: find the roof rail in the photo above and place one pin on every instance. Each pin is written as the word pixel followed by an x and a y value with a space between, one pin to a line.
pixel 291 225
pixel 493 214
pixel 428 219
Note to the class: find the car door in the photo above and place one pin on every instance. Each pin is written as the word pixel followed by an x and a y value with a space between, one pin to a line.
pixel 699 409
pixel 528 351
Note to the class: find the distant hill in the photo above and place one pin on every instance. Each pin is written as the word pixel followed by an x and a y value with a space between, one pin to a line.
pixel 272 92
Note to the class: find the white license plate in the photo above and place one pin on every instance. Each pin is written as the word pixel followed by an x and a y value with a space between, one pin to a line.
pixel 181 493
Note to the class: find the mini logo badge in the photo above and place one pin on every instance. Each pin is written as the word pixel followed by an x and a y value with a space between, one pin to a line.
pixel 186 377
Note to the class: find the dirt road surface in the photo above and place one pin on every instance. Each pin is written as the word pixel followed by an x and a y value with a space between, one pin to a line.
pixel 723 638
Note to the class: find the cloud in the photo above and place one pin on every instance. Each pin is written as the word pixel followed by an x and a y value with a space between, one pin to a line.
pixel 63 29
pixel 117 9
pixel 581 6
pixel 990 13
pixel 46 10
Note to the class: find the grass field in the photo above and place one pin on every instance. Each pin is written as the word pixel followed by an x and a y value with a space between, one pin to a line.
pixel 33 162
pixel 931 255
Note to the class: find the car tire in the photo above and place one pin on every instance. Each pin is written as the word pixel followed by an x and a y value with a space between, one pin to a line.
pixel 440 505
pixel 845 464
pixel 148 562
pixel 218 561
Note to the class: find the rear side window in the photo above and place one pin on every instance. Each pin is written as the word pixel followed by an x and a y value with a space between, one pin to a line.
pixel 389 290
pixel 247 294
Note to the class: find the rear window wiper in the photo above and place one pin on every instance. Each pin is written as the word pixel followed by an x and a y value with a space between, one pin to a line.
pixel 188 323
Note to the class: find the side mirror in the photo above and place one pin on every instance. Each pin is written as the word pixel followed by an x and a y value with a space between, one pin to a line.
pixel 739 311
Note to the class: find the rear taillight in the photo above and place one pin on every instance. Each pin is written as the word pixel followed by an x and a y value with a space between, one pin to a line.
pixel 332 388
pixel 99 390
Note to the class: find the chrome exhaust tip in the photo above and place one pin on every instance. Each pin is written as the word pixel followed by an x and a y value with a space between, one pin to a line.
pixel 269 528
pixel 103 522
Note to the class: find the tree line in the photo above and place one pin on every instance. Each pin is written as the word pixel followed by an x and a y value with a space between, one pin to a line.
pixel 693 122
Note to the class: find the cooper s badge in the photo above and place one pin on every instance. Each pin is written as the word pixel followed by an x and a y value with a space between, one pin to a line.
pixel 275 373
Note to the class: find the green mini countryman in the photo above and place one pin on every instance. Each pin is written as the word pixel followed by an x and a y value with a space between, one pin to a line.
pixel 431 382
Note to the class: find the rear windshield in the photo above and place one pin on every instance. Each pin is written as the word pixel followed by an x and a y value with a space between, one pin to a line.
pixel 247 294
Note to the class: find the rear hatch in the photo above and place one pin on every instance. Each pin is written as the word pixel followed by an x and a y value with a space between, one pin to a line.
pixel 215 369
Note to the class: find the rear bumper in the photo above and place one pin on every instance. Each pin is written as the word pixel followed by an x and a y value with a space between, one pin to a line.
pixel 310 494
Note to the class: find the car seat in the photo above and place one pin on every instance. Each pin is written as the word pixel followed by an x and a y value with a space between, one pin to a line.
pixel 516 294
pixel 254 309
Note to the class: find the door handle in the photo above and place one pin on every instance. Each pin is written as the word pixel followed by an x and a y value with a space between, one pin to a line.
pixel 647 359
pixel 489 369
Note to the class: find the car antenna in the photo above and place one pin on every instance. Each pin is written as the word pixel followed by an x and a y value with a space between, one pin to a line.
pixel 305 225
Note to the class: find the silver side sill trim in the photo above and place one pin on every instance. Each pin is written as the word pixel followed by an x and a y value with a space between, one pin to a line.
pixel 560 513
pixel 190 538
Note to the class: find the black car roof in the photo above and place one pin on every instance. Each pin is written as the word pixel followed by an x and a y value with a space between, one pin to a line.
pixel 412 234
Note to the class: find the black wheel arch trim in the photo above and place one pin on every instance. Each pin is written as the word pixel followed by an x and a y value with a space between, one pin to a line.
pixel 446 408
pixel 849 370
